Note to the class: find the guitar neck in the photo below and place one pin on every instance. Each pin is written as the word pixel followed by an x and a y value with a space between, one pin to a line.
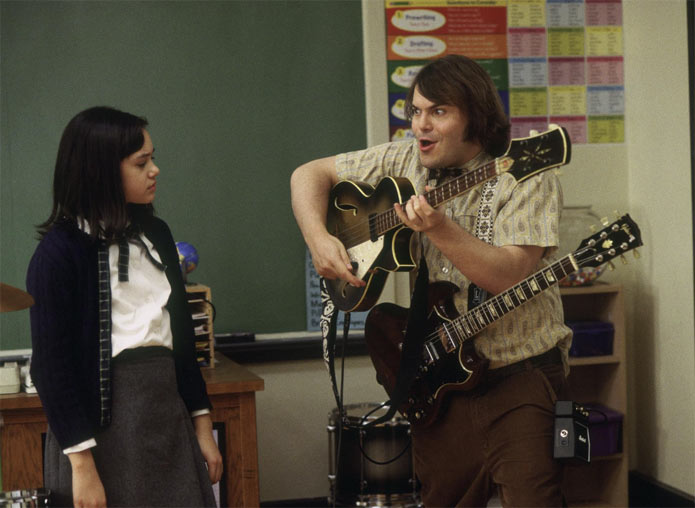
pixel 615 239
pixel 534 154
pixel 388 220
pixel 453 333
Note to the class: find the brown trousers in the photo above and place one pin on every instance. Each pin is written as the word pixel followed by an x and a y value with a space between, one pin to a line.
pixel 500 435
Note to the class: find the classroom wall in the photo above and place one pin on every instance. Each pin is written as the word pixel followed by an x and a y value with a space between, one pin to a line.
pixel 662 345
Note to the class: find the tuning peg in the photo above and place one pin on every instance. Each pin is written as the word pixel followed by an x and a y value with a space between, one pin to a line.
pixel 616 213
pixel 611 266
pixel 558 172
pixel 622 258
pixel 636 254
pixel 604 221
pixel 592 228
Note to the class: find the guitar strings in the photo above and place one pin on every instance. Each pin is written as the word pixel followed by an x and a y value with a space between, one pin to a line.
pixel 388 219
pixel 479 175
pixel 435 336
pixel 383 222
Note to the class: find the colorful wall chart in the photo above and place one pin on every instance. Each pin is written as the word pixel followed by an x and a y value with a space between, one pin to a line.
pixel 552 61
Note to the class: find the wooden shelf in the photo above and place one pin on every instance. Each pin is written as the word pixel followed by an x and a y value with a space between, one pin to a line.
pixel 594 360
pixel 598 379
pixel 200 303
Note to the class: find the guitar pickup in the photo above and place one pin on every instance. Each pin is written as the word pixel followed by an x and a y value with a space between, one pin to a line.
pixel 432 355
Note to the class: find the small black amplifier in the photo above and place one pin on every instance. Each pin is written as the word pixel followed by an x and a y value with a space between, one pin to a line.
pixel 571 436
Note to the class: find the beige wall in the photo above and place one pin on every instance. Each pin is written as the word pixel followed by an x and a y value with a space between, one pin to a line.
pixel 648 176
pixel 661 367
pixel 292 416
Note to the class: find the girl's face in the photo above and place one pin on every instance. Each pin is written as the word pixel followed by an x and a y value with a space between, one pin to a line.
pixel 139 174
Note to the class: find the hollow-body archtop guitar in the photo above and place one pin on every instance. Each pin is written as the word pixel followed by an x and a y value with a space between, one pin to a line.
pixel 362 217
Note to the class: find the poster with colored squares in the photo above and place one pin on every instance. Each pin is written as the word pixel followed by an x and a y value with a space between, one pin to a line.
pixel 552 61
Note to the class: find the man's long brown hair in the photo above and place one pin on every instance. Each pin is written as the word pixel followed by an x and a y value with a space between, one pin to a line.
pixel 457 80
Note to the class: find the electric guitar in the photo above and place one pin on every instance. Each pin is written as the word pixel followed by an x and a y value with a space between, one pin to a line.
pixel 449 361
pixel 362 217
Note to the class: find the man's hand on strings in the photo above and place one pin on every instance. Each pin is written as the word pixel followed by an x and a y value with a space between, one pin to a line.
pixel 418 215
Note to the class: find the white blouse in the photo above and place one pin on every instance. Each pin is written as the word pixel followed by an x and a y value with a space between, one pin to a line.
pixel 138 314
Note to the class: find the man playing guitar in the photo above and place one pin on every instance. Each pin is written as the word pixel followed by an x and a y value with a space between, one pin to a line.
pixel 497 436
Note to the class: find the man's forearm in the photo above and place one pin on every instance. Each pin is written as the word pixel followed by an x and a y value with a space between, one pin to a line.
pixel 310 186
pixel 490 267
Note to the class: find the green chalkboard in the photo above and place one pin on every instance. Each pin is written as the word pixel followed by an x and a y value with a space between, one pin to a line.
pixel 238 94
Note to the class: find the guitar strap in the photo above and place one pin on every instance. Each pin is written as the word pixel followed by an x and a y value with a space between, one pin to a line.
pixel 329 324
pixel 415 335
pixel 412 343
pixel 416 330
pixel 483 230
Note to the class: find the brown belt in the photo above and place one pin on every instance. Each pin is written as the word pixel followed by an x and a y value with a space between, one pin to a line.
pixel 550 357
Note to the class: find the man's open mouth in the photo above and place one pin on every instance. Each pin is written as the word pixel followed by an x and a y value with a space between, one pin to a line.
pixel 426 144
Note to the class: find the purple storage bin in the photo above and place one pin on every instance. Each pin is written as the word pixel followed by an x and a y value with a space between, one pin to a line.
pixel 591 338
pixel 605 430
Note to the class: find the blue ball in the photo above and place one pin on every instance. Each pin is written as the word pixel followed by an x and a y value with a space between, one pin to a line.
pixel 188 257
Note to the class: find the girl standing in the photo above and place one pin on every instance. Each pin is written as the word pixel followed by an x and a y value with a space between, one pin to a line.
pixel 113 356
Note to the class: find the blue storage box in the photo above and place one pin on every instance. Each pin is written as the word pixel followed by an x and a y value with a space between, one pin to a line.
pixel 605 430
pixel 591 338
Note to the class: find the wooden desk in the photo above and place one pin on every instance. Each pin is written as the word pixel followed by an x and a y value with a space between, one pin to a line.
pixel 232 392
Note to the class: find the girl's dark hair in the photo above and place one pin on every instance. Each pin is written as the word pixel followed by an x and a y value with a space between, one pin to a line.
pixel 458 81
pixel 87 179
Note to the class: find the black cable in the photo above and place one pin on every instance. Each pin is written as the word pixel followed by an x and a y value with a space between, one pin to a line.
pixel 343 421
pixel 214 310
pixel 364 453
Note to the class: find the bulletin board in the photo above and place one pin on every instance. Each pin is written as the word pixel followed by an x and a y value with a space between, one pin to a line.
pixel 552 61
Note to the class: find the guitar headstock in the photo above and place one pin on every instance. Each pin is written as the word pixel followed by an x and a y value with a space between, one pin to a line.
pixel 614 240
pixel 534 154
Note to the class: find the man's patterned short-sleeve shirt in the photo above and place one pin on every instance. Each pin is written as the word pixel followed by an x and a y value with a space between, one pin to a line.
pixel 525 213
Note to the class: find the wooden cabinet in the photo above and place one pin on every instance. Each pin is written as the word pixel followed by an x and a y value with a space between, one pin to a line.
pixel 202 311
pixel 599 379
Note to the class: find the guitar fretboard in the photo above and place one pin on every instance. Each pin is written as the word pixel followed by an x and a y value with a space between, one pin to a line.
pixel 534 154
pixel 453 333
pixel 386 221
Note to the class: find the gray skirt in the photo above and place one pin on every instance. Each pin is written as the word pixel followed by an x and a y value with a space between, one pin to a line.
pixel 149 454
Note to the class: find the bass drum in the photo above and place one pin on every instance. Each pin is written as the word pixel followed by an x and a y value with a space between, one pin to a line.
pixel 370 465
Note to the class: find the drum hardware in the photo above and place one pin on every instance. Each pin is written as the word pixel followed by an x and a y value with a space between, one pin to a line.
pixel 370 466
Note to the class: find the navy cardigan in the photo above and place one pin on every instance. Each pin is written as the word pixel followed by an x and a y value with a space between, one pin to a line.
pixel 63 280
